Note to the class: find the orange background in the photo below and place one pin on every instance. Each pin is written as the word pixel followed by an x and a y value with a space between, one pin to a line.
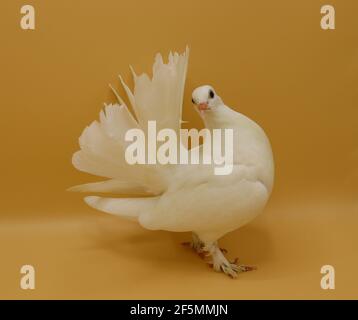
pixel 267 59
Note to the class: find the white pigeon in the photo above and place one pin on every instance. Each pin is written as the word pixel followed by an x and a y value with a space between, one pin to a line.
pixel 178 198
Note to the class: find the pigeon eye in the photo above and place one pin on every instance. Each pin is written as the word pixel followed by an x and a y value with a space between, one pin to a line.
pixel 193 101
pixel 211 94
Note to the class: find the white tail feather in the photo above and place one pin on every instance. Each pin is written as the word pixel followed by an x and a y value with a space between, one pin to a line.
pixel 116 186
pixel 103 142
pixel 128 208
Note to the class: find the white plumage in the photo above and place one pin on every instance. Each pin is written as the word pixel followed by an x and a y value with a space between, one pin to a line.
pixel 177 197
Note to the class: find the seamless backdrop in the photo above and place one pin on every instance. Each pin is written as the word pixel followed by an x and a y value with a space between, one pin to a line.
pixel 268 59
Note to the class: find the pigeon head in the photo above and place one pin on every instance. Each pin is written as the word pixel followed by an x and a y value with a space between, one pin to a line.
pixel 205 99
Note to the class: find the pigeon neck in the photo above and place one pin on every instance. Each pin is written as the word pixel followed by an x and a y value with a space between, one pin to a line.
pixel 218 118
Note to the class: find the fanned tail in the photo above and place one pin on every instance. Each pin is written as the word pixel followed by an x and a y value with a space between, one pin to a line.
pixel 103 145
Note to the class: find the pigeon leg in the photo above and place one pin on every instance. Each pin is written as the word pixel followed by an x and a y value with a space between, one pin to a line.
pixel 220 263
pixel 196 244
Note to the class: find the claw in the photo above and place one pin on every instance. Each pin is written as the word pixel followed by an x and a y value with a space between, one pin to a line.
pixel 247 268
pixel 230 270
pixel 214 257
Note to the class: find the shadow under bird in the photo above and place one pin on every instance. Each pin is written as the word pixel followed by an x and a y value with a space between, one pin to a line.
pixel 177 198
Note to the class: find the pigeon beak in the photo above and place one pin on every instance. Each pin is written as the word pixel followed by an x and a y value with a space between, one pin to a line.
pixel 203 106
